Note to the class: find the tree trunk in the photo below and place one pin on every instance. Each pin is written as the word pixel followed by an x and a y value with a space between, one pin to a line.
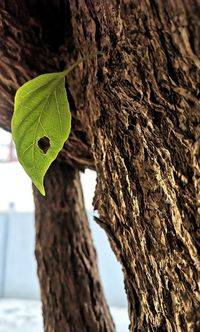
pixel 71 292
pixel 143 115
pixel 138 112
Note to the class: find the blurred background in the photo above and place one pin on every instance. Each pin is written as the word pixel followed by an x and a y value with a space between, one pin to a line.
pixel 20 307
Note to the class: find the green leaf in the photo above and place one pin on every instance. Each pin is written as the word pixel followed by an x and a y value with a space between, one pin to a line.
pixel 42 121
pixel 41 113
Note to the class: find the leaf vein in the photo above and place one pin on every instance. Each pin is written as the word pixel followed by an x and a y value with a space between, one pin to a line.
pixel 57 107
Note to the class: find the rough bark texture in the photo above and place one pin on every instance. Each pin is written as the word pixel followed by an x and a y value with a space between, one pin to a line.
pixel 139 113
pixel 72 296
pixel 71 292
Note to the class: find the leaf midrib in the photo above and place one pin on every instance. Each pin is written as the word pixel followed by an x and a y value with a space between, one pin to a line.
pixel 57 81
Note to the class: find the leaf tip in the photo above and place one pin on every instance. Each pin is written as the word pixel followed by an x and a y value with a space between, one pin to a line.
pixel 43 192
pixel 40 188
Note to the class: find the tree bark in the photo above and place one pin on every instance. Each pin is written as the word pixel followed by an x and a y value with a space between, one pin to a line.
pixel 71 292
pixel 138 112
pixel 143 115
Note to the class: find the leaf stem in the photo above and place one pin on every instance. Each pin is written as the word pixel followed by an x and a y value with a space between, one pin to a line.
pixel 85 58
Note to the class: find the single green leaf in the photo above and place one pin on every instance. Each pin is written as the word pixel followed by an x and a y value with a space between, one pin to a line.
pixel 41 112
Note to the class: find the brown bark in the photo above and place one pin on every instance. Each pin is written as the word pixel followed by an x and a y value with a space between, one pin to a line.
pixel 144 117
pixel 72 297
pixel 139 112
pixel 71 292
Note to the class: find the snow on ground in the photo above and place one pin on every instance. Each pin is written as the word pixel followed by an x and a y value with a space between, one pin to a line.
pixel 120 317
pixel 26 316
pixel 20 316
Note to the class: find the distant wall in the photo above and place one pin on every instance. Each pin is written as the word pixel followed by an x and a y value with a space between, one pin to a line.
pixel 18 277
pixel 17 262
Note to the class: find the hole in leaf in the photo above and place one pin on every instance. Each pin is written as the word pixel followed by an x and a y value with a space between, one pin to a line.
pixel 44 144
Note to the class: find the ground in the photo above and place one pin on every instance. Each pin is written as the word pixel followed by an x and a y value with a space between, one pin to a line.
pixel 25 316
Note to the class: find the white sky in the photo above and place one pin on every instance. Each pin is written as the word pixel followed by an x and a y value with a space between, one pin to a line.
pixel 15 185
